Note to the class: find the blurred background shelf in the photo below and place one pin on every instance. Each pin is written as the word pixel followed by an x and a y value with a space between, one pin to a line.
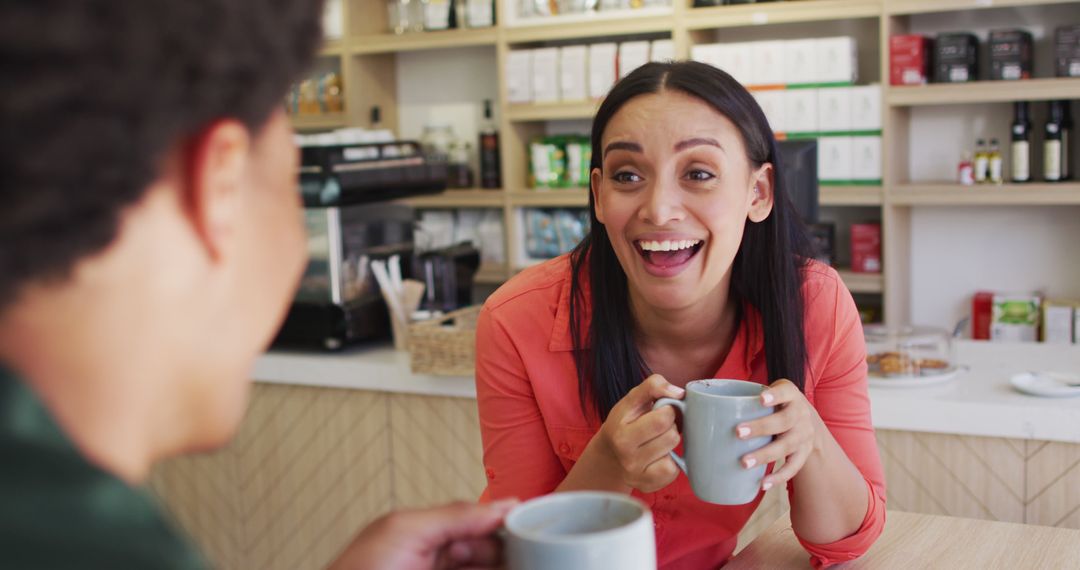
pixel 592 25
pixel 492 274
pixel 982 92
pixel 850 195
pixel 554 198
pixel 552 111
pixel 415 41
pixel 472 198
pixel 319 122
pixel 907 7
pixel 862 282
pixel 780 13
pixel 946 194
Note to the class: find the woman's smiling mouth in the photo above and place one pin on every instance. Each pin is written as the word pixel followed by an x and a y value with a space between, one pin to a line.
pixel 667 258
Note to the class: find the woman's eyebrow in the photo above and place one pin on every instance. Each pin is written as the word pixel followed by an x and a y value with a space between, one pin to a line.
pixel 630 146
pixel 683 145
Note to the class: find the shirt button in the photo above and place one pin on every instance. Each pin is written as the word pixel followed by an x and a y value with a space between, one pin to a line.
pixel 669 497
pixel 490 474
pixel 564 448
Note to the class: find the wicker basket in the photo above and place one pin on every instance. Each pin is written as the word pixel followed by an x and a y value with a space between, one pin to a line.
pixel 445 346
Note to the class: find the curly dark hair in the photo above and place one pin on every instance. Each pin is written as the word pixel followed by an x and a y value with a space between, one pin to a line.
pixel 94 92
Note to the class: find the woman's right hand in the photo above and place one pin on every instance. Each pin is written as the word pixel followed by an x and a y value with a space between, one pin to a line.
pixel 640 438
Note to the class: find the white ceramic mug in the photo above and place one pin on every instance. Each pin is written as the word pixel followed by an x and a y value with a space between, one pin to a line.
pixel 580 530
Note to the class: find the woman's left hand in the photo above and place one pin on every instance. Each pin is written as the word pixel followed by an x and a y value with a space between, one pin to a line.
pixel 797 428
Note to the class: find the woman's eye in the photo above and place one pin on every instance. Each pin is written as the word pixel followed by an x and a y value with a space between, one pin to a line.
pixel 626 178
pixel 700 175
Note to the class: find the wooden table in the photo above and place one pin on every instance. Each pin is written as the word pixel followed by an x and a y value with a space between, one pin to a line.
pixel 929 541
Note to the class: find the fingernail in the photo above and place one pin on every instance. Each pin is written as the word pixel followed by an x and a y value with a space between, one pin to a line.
pixel 767 398
pixel 676 391
pixel 743 431
pixel 505 503
pixel 766 486
pixel 749 462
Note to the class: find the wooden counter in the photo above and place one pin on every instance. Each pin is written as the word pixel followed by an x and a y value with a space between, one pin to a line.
pixel 927 541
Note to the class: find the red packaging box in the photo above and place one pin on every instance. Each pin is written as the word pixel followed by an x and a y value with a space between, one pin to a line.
pixel 982 309
pixel 909 59
pixel 866 248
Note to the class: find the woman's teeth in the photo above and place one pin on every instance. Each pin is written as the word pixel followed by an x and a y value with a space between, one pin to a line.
pixel 668 245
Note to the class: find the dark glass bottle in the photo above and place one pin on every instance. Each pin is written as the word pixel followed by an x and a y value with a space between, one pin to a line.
pixel 1056 149
pixel 490 169
pixel 1021 148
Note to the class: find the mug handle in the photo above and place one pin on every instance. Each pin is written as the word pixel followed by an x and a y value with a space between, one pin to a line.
pixel 681 405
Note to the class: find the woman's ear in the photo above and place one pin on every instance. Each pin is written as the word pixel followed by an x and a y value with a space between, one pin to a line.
pixel 762 194
pixel 595 178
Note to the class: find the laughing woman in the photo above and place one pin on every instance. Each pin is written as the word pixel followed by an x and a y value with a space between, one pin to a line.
pixel 696 267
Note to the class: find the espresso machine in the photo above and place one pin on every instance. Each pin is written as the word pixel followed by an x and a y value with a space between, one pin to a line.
pixel 351 219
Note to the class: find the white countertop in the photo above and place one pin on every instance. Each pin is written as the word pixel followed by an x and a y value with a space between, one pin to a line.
pixel 978 402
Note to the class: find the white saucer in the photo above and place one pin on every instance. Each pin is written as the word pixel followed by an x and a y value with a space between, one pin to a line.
pixel 1046 384
pixel 921 381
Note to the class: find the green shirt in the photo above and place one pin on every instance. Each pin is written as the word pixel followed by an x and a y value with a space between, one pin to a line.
pixel 57 510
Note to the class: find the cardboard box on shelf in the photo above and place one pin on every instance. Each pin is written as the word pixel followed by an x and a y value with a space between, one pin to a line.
pixel 866 248
pixel 835 159
pixel 767 63
pixel 834 109
pixel 982 313
pixel 772 103
pixel 909 59
pixel 662 50
pixel 800 110
pixel 799 58
pixel 632 55
pixel 865 108
pixel 603 63
pixel 1015 317
pixel 866 158
pixel 1067 51
pixel 737 60
pixel 1011 55
pixel 956 58
pixel 573 73
pixel 1058 319
pixel 836 60
pixel 519 76
pixel 545 74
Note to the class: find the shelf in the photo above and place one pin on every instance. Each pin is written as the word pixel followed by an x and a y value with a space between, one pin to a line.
pixel 906 7
pixel 552 111
pixel 780 13
pixel 473 198
pixel 332 48
pixel 849 195
pixel 983 92
pixel 862 282
pixel 946 194
pixel 489 274
pixel 553 198
pixel 320 122
pixel 392 43
pixel 591 25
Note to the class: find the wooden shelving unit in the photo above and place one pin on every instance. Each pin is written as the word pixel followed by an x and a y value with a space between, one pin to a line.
pixel 780 13
pixel 862 282
pixel 492 274
pixel 982 92
pixel 369 63
pixel 641 21
pixel 948 194
pixel 553 198
pixel 414 41
pixel 474 198
pixel 552 111
pixel 320 122
pixel 850 195
pixel 910 7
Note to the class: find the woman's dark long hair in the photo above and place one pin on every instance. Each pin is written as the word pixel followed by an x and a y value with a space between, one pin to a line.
pixel 765 273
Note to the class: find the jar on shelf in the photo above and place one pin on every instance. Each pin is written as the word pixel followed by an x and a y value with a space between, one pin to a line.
pixel 437 140
pixel 908 352
pixel 459 173
pixel 436 15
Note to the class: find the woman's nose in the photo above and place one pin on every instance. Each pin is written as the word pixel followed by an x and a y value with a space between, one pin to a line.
pixel 662 205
